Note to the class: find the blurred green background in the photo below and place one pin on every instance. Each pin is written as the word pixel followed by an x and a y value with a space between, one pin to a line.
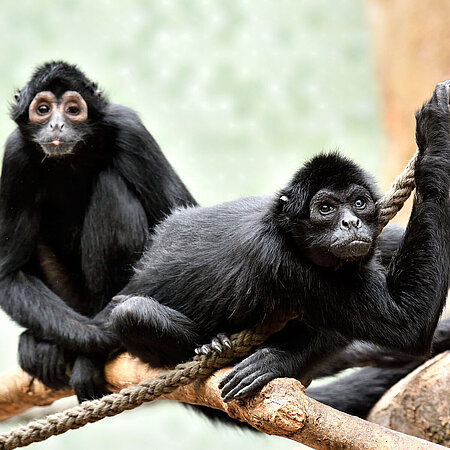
pixel 237 93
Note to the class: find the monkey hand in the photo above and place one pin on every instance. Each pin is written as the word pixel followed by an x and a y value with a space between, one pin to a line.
pixel 98 338
pixel 433 120
pixel 44 360
pixel 254 372
pixel 432 175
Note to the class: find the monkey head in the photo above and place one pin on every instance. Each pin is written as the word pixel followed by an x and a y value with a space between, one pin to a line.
pixel 328 210
pixel 58 109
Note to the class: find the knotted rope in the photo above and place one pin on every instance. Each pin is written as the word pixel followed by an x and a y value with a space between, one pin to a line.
pixel 201 366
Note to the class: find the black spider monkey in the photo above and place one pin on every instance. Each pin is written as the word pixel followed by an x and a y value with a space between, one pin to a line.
pixel 83 184
pixel 311 249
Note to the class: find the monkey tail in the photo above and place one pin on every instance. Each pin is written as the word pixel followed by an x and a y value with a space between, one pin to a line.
pixel 358 392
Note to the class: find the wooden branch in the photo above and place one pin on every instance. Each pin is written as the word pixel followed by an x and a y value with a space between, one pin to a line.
pixel 20 392
pixel 281 408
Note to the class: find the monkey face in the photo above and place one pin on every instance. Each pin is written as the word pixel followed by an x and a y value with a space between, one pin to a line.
pixel 58 121
pixel 338 225
pixel 344 221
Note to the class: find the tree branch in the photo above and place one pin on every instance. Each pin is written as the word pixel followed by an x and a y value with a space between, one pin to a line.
pixel 281 408
pixel 419 404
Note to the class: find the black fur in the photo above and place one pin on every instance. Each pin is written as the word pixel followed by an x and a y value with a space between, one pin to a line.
pixel 72 226
pixel 228 267
pixel 357 392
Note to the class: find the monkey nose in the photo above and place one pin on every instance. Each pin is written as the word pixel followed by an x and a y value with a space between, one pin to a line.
pixel 56 126
pixel 349 223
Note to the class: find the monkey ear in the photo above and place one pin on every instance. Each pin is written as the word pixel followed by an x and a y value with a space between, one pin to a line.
pixel 98 92
pixel 284 199
pixel 17 96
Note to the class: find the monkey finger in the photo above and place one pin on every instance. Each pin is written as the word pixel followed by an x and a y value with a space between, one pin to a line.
pixel 205 349
pixel 224 340
pixel 88 389
pixel 255 386
pixel 216 345
pixel 442 93
pixel 245 382
pixel 202 349
pixel 233 378
pixel 84 392
pixel 232 374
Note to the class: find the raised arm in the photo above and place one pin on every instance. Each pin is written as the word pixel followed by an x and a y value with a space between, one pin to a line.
pixel 401 309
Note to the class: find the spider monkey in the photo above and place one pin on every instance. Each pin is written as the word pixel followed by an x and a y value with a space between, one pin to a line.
pixel 83 185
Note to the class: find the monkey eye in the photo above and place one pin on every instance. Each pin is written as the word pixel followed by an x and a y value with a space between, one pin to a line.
pixel 42 110
pixel 326 208
pixel 73 110
pixel 360 203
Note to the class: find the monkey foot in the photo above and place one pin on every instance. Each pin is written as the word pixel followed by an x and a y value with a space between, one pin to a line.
pixel 218 344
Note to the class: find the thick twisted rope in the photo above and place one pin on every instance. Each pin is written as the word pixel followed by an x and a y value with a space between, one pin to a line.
pixel 201 366
pixel 392 202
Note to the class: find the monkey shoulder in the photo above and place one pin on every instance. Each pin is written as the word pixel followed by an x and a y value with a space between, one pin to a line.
pixel 126 126
pixel 120 116
pixel 134 148
pixel 14 148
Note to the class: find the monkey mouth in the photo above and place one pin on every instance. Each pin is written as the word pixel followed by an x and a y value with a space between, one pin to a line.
pixel 57 148
pixel 351 248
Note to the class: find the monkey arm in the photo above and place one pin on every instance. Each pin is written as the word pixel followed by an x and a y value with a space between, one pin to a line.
pixel 32 305
pixel 24 297
pixel 114 233
pixel 401 310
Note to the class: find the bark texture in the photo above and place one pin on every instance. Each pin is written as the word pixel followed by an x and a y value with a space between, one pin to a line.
pixel 419 404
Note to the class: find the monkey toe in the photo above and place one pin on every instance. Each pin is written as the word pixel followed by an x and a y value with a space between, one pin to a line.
pixel 219 343
pixel 224 340
pixel 216 345
pixel 204 349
